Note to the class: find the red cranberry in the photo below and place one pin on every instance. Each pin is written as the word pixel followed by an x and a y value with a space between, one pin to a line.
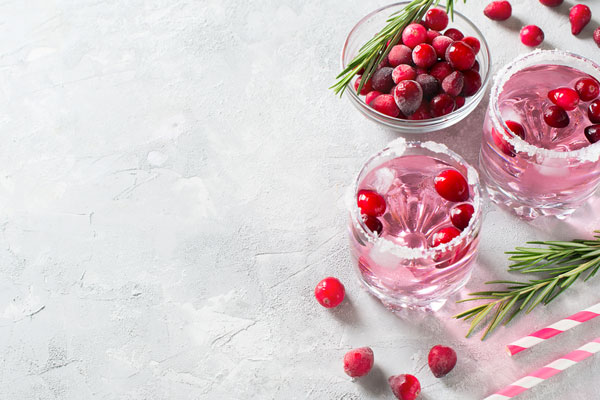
pixel 475 66
pixel 531 35
pixel 444 235
pixel 473 42
pixel 431 34
pixel 385 104
pixel 472 83
pixel 556 117
pixel 373 223
pixel 382 80
pixel 498 10
pixel 451 185
pixel 403 72
pixel 422 113
pixel 592 133
pixel 370 203
pixel 366 88
pixel 441 360
pixel 551 3
pixel 453 83
pixel 587 88
pixel 579 16
pixel 384 63
pixel 330 292
pixel 440 44
pixel 454 34
pixel 461 215
pixel 429 84
pixel 424 55
pixel 565 98
pixel 421 71
pixel 503 145
pixel 460 56
pixel 358 362
pixel 413 35
pixel 597 36
pixel 460 101
pixel 440 70
pixel 442 104
pixel 408 96
pixel 400 54
pixel 371 96
pixel 436 19
pixel 405 386
pixel 594 111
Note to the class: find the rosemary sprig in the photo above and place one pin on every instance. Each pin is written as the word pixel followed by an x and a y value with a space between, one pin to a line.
pixel 372 53
pixel 561 264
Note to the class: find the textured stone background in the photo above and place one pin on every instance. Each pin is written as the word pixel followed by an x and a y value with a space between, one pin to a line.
pixel 171 178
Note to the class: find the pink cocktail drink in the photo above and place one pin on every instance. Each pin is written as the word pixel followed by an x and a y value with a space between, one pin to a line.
pixel 414 224
pixel 528 165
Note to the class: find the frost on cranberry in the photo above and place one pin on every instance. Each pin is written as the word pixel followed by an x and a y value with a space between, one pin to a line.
pixel 454 34
pixel 551 3
pixel 413 35
pixel 451 185
pixel 453 83
pixel 440 70
pixel 403 72
pixel 472 83
pixel 405 386
pixel 372 223
pixel 400 54
pixel 408 96
pixel 531 35
pixel 498 10
pixel 460 215
pixel 556 117
pixel 371 96
pixel 440 44
pixel 382 80
pixel 565 98
pixel 579 16
pixel 431 34
pixel 587 89
pixel 460 101
pixel 358 362
pixel 473 42
pixel 330 292
pixel 436 19
pixel 422 113
pixel 424 55
pixel 441 360
pixel 460 56
pixel 592 133
pixel 385 104
pixel 597 36
pixel 365 89
pixel 429 84
pixel 442 104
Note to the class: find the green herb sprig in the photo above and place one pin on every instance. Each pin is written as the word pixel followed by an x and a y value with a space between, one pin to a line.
pixel 561 263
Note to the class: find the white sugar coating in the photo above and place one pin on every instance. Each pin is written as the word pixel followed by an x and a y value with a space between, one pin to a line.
pixel 588 153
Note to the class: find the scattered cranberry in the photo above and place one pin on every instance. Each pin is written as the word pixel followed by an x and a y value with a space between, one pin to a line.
pixel 330 292
pixel 424 55
pixel 400 54
pixel 460 56
pixel 498 10
pixel 385 104
pixel 422 113
pixel 580 15
pixel 403 72
pixel 382 80
pixel 461 215
pixel 370 203
pixel 429 84
pixel 444 235
pixel 431 34
pixel 440 44
pixel 366 88
pixel 473 42
pixel 460 101
pixel 413 35
pixel 441 360
pixel 373 223
pixel 454 34
pixel 442 104
pixel 405 386
pixel 440 70
pixel 453 83
pixel 436 19
pixel 592 133
pixel 551 3
pixel 597 36
pixel 565 98
pixel 472 82
pixel 408 96
pixel 556 117
pixel 371 96
pixel 587 88
pixel 475 66
pixel 358 362
pixel 531 35
pixel 451 185
pixel 594 112
pixel 503 145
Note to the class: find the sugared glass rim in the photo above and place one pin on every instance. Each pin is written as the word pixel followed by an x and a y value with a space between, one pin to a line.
pixel 588 153
pixel 397 148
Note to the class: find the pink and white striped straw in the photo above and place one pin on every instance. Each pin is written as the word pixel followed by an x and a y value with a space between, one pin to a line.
pixel 548 371
pixel 553 330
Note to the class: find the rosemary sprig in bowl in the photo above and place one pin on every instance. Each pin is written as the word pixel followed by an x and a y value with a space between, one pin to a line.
pixel 561 263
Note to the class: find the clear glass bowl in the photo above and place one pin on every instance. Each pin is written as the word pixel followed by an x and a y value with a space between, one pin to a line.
pixel 370 25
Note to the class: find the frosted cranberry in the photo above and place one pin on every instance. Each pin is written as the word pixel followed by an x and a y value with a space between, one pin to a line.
pixel 424 55
pixel 556 117
pixel 421 70
pixel 429 84
pixel 330 292
pixel 454 34
pixel 436 19
pixel 473 42
pixel 472 83
pixel 441 360
pixel 366 88
pixel 440 70
pixel 442 104
pixel 422 113
pixel 592 133
pixel 451 185
pixel 453 83
pixel 551 3
pixel 358 362
pixel 385 104
pixel 461 214
pixel 587 88
pixel 370 203
pixel 498 10
pixel 371 96
pixel 405 386
pixel 594 111
pixel 502 144
pixel 440 44
pixel 444 235
pixel 403 72
pixel 400 54
pixel 579 16
pixel 384 63
pixel 408 96
pixel 531 35
pixel 565 98
pixel 373 223
pixel 460 56
pixel 413 35
pixel 475 66
pixel 431 34
pixel 460 101
pixel 597 36
pixel 382 80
